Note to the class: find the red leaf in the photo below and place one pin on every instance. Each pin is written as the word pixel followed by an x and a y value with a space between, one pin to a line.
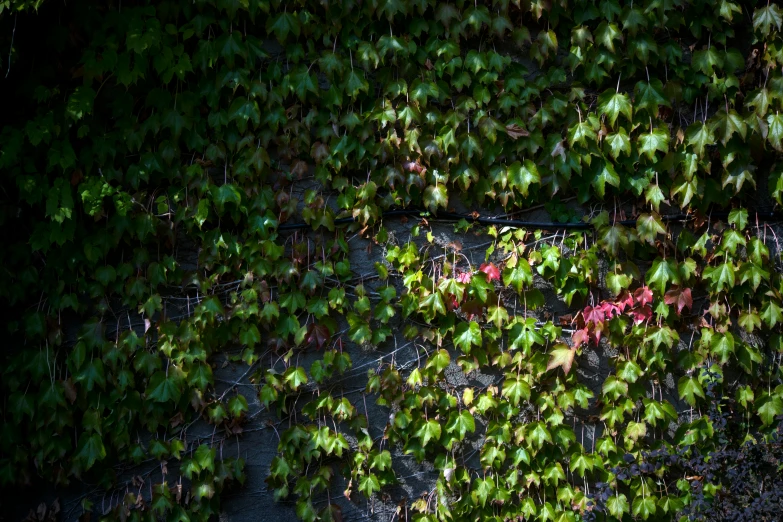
pixel 596 336
pixel 624 300
pixel 491 270
pixel 610 309
pixel 642 314
pixel 464 277
pixel 679 297
pixel 414 166
pixel 473 308
pixel 579 337
pixel 594 315
pixel 643 295
pixel 318 334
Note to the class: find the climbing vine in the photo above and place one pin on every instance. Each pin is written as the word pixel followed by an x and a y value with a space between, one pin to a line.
pixel 184 183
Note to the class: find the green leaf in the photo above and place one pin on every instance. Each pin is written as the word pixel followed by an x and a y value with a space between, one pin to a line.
pixel 436 197
pixel 619 143
pixel 519 276
pixel 775 134
pixel 722 346
pixel 355 83
pixel 522 175
pixel 649 226
pixel 461 423
pixel 481 489
pixel 726 124
pixel 427 431
pixel 237 405
pixel 515 389
pixel 707 60
pixel 699 136
pixel 467 335
pixel 662 273
pixel 721 276
pixel 765 18
pixel 91 450
pixel 760 101
pixel 563 356
pixel 644 507
pixel 739 218
pixel 439 361
pixel 606 174
pixel 80 103
pixel 689 388
pixel 282 25
pixel 204 457
pixel 617 505
pixel 368 484
pixel 769 407
pixel 613 104
pixel 649 96
pixel 657 140
pixel 165 386
pixel 772 314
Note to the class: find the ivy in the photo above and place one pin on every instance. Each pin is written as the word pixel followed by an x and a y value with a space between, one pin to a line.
pixel 186 185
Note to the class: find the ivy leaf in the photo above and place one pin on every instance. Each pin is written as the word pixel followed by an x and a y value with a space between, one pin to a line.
pixel 606 174
pixel 606 34
pixel 522 175
pixel 722 346
pixel 739 218
pixel 282 25
pixel 760 101
pixel 619 143
pixel 461 423
pixel 91 449
pixel 436 196
pixel 368 484
pixel 680 297
pixel 617 505
pixel 775 134
pixel 689 388
pixel 770 406
pixel 765 18
pixel 649 96
pixel 721 276
pixel 515 388
pixel 295 377
pixel 644 507
pixel 355 83
pixel 613 104
pixel 428 430
pixel 648 226
pixel 662 273
pixel 699 136
pixel 563 356
pixel 726 124
pixel 657 140
pixel 613 238
pixel 707 60
pixel 493 274
pixel 525 337
pixel 519 276
pixel 481 490
pixel 581 133
pixel 165 386
pixel 772 314
pixel 467 335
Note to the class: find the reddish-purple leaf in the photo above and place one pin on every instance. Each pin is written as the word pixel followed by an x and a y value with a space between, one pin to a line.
pixel 491 270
